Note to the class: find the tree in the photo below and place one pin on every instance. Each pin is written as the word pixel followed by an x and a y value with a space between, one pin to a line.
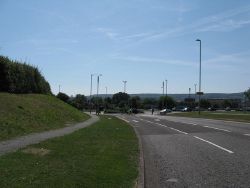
pixel 135 102
pixel 79 101
pixel 204 103
pixel 166 102
pixel 149 103
pixel 64 97
pixel 120 99
pixel 247 94
pixel 226 103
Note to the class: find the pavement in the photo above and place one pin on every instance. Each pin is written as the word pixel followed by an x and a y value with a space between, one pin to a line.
pixel 191 152
pixel 21 142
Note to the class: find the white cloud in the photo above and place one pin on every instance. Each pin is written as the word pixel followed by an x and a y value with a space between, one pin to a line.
pixel 139 59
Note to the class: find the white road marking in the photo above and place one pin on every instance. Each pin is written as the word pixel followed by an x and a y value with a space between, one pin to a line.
pixel 166 126
pixel 186 123
pixel 157 120
pixel 172 128
pixel 135 121
pixel 124 119
pixel 247 134
pixel 229 151
pixel 177 130
pixel 217 128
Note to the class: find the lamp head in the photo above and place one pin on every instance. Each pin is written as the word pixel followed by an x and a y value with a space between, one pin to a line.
pixel 198 40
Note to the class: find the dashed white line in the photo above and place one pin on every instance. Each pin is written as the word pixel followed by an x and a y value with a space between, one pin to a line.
pixel 167 127
pixel 229 151
pixel 217 128
pixel 157 120
pixel 135 121
pixel 187 123
pixel 177 130
pixel 247 134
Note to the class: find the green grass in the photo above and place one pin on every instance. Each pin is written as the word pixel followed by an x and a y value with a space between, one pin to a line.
pixel 231 116
pixel 102 155
pixel 26 113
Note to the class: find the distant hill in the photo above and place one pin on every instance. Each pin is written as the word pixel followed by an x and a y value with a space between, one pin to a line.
pixel 183 96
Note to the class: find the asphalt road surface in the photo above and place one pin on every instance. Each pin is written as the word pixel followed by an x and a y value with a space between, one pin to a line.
pixel 189 152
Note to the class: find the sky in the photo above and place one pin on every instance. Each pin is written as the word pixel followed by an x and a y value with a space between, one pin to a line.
pixel 141 41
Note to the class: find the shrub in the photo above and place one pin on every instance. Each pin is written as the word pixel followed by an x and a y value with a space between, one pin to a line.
pixel 16 77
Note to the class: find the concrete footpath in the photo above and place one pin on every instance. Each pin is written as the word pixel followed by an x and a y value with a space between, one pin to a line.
pixel 34 138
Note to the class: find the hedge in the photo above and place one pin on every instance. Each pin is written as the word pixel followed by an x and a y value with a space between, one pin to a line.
pixel 17 77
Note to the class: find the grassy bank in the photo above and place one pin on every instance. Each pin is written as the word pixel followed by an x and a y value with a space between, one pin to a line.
pixel 26 113
pixel 102 155
pixel 231 116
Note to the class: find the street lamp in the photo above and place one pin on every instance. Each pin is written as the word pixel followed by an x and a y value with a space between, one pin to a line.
pixel 199 93
pixel 166 93
pixel 124 86
pixel 195 92
pixel 97 92
pixel 90 95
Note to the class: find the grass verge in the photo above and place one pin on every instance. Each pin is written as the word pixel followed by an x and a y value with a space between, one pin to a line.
pixel 26 113
pixel 230 116
pixel 102 155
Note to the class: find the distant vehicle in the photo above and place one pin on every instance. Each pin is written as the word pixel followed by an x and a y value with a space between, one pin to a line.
pixel 178 108
pixel 165 111
pixel 227 109
pixel 186 109
pixel 211 109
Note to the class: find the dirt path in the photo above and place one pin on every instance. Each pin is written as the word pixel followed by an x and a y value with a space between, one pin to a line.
pixel 20 142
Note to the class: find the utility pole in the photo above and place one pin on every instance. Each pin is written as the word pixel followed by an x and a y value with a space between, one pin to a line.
pixel 90 95
pixel 59 88
pixel 195 92
pixel 189 90
pixel 124 85
pixel 166 93
pixel 97 92
pixel 163 88
pixel 200 93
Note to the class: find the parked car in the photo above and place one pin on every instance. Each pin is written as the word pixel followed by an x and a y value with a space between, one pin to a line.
pixel 186 109
pixel 165 111
pixel 211 109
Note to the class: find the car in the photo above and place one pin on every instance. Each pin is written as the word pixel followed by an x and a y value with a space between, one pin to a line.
pixel 211 109
pixel 165 111
pixel 186 109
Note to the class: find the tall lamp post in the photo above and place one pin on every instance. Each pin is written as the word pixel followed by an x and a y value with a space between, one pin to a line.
pixel 199 93
pixel 166 93
pixel 90 95
pixel 124 86
pixel 195 92
pixel 97 92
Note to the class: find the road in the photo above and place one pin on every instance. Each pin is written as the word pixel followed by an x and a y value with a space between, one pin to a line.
pixel 189 152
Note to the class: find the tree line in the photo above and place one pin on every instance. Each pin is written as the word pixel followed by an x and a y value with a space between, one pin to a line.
pixel 18 77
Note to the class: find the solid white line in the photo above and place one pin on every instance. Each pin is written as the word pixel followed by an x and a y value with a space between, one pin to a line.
pixel 135 121
pixel 217 128
pixel 229 151
pixel 124 119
